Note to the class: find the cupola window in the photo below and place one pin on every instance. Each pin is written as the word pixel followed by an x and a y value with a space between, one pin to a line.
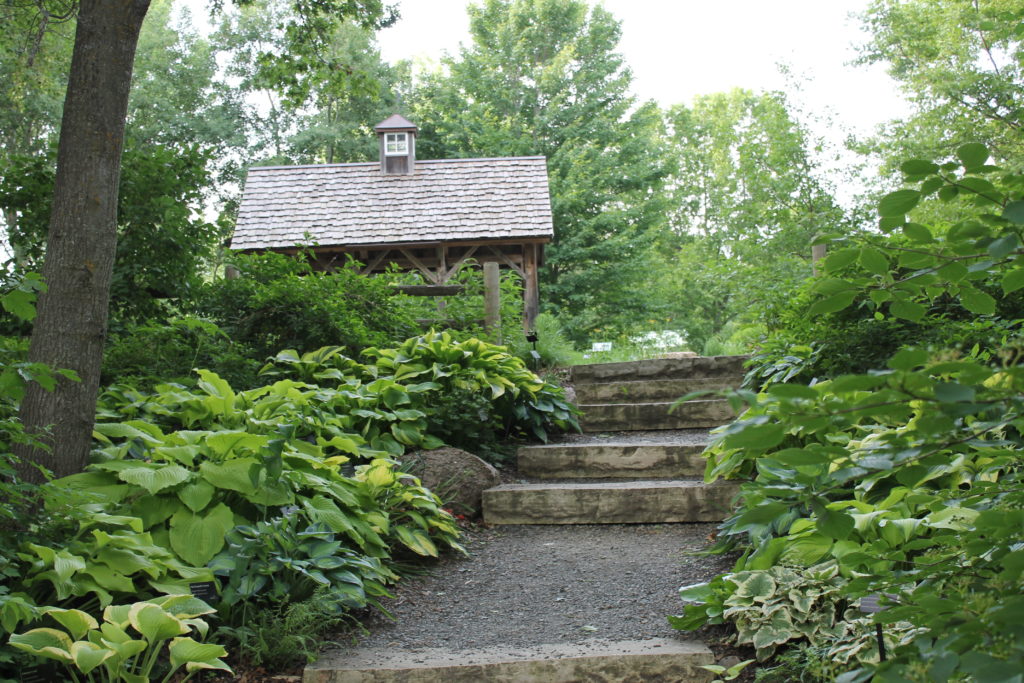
pixel 396 144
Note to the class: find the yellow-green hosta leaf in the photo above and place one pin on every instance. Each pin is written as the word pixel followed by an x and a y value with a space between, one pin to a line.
pixel 87 656
pixel 154 623
pixel 116 617
pixel 198 537
pixel 322 509
pixel 183 606
pixel 416 541
pixel 110 579
pixel 155 477
pixel 77 622
pixel 380 474
pixel 232 475
pixel 44 642
pixel 195 656
pixel 196 495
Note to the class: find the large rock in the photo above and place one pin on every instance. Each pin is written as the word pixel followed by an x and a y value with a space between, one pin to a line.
pixel 457 477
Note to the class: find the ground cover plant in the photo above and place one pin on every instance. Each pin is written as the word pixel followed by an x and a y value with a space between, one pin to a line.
pixel 904 481
pixel 290 498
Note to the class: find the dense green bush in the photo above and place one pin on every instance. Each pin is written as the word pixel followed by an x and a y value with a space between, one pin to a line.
pixel 909 477
pixel 279 302
pixel 149 353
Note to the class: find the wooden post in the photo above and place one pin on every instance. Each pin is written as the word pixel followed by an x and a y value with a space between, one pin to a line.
pixel 531 293
pixel 817 253
pixel 230 272
pixel 492 300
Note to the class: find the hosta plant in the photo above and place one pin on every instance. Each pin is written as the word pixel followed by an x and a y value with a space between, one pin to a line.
pixel 135 643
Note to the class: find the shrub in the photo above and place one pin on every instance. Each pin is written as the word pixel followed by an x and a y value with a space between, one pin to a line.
pixel 280 302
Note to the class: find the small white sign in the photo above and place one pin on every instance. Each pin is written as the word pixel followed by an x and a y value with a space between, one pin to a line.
pixel 601 346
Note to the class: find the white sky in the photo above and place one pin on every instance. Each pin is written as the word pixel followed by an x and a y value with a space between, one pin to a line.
pixel 681 48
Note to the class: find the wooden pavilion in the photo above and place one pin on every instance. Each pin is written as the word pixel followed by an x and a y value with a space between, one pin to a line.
pixel 430 216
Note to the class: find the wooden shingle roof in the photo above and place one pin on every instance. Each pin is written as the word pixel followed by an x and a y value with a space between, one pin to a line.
pixel 355 204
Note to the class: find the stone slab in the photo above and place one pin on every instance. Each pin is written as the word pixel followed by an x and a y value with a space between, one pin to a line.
pixel 632 502
pixel 611 459
pixel 618 417
pixel 651 390
pixel 658 660
pixel 659 368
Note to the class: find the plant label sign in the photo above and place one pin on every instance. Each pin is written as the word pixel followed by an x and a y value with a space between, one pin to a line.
pixel 601 346
pixel 204 590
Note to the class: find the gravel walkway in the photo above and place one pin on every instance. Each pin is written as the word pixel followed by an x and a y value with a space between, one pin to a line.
pixel 662 436
pixel 530 585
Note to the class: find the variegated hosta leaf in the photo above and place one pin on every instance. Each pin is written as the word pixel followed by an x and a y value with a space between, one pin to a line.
pixel 44 642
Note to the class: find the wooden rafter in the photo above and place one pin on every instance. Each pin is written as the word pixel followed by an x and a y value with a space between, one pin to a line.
pixel 376 261
pixel 504 258
pixel 427 273
pixel 458 264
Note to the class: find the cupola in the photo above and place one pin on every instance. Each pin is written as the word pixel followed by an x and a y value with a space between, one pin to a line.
pixel 397 145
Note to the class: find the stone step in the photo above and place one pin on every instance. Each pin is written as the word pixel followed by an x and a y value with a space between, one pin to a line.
pixel 633 502
pixel 659 369
pixel 658 660
pixel 645 391
pixel 624 417
pixel 611 458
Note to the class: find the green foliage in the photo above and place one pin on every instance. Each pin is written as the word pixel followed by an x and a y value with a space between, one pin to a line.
pixel 277 637
pixel 959 64
pixel 162 243
pixel 150 353
pixel 280 302
pixel 542 77
pixel 130 642
pixel 907 477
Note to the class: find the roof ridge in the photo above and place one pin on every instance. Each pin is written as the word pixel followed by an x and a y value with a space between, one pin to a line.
pixel 355 164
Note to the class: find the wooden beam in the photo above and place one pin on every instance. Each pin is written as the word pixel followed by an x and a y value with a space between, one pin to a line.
pixel 505 259
pixel 427 272
pixel 458 264
pixel 376 261
pixel 430 290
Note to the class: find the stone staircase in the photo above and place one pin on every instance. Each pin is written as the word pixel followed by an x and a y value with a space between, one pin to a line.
pixel 636 463
pixel 642 474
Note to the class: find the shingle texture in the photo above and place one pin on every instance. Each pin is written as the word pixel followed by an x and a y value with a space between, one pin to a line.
pixel 355 204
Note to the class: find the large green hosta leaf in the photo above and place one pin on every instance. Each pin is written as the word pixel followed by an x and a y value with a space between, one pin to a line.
pixel 197 538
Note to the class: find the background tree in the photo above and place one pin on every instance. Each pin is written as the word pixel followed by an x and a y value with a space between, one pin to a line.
pixel 542 77
pixel 747 199
pixel 959 63
pixel 71 322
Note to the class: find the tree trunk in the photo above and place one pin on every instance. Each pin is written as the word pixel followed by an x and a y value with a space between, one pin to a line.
pixel 71 322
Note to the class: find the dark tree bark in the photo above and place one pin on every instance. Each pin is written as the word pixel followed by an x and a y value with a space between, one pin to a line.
pixel 71 321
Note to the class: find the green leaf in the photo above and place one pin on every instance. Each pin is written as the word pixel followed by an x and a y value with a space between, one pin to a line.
pixel 973 154
pixel 836 302
pixel 1003 246
pixel 195 656
pixel 840 259
pixel 908 310
pixel 1013 280
pixel 757 436
pixel 197 495
pixel 44 642
pixel 951 392
pixel 898 203
pixel 918 167
pixel 87 656
pixel 154 623
pixel 918 232
pixel 835 523
pixel 197 538
pixel 416 541
pixel 232 475
pixel 77 622
pixel 154 477
pixel 1014 212
pixel 874 260
pixel 977 301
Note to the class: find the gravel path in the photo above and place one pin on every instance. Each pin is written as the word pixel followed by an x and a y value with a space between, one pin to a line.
pixel 530 585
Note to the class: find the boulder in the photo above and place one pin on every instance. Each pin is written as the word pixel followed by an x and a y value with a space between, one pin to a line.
pixel 458 478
